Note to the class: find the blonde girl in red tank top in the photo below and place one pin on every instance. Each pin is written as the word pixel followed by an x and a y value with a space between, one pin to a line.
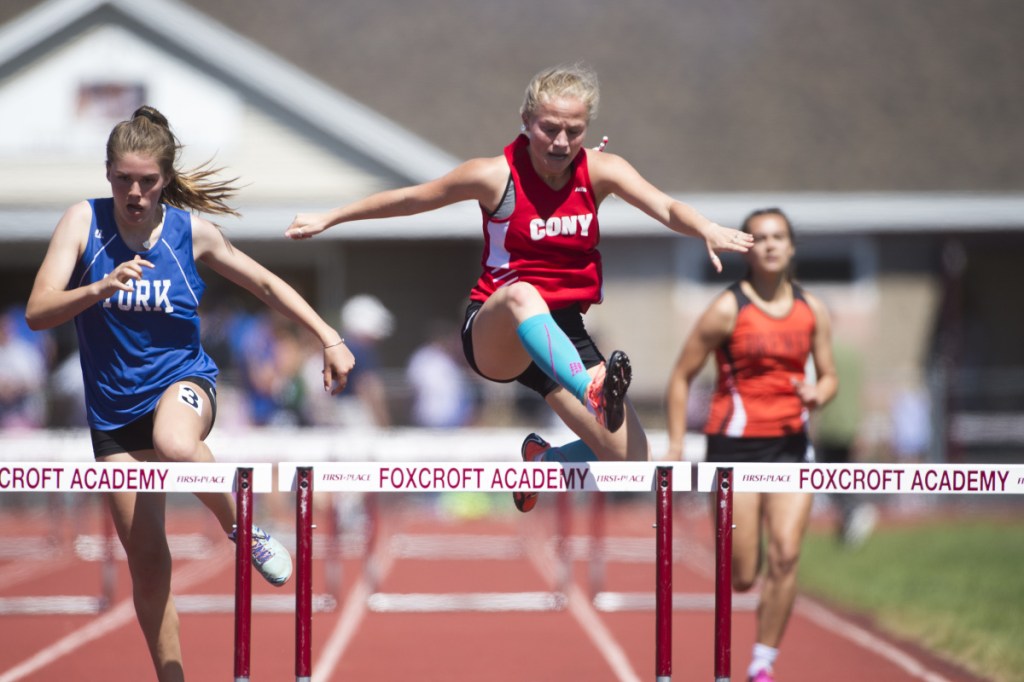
pixel 761 331
pixel 541 270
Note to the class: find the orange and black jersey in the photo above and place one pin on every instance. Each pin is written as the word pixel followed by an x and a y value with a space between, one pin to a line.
pixel 757 366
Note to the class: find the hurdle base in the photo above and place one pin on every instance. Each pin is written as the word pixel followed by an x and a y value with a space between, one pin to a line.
pixel 261 603
pixel 53 605
pixel 480 602
pixel 615 602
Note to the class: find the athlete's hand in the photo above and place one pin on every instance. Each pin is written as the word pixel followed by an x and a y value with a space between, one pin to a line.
pixel 122 276
pixel 720 238
pixel 338 362
pixel 808 393
pixel 306 225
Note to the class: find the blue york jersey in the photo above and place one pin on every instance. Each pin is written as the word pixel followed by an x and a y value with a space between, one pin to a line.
pixel 137 343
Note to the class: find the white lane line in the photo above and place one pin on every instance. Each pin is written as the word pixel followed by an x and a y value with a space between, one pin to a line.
pixel 22 570
pixel 702 560
pixel 117 617
pixel 832 622
pixel 351 616
pixel 584 613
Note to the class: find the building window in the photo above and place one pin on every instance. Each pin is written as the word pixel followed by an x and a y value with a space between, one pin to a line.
pixel 108 101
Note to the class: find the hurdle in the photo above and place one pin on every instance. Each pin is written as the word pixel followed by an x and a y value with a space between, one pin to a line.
pixel 147 477
pixel 662 478
pixel 726 478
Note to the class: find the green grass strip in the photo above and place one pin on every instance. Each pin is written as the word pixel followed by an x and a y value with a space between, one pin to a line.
pixel 956 587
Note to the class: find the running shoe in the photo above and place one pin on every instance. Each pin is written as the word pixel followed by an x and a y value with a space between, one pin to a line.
pixel 606 394
pixel 533 450
pixel 269 557
pixel 859 524
pixel 762 676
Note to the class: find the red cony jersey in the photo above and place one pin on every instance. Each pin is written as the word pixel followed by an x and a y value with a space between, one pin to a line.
pixel 543 236
pixel 754 396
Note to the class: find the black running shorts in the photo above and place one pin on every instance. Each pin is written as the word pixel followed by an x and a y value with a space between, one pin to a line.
pixel 138 435
pixel 792 448
pixel 569 319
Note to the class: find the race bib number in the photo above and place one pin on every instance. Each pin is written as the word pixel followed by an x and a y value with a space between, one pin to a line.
pixel 190 397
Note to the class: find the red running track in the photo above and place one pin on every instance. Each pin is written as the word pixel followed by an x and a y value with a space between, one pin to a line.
pixel 418 551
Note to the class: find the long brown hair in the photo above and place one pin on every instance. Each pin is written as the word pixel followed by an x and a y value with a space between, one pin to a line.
pixel 149 133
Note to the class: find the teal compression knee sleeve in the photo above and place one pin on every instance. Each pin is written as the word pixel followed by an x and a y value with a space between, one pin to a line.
pixel 555 354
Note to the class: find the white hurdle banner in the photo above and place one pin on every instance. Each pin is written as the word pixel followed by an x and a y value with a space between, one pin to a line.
pixel 407 477
pixel 954 479
pixel 94 477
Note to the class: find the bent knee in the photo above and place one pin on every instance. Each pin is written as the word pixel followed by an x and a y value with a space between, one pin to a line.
pixel 174 446
pixel 784 562
pixel 522 294
pixel 743 583
pixel 744 574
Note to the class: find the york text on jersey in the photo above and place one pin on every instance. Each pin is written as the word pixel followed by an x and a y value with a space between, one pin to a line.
pixel 139 297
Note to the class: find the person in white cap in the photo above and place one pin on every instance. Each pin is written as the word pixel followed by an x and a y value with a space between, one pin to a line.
pixel 365 322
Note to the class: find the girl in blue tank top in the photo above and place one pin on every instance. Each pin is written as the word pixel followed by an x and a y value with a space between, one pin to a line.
pixel 141 340
pixel 124 269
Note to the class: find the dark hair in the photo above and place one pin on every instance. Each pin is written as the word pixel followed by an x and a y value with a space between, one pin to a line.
pixel 773 211
pixel 149 133
pixel 770 211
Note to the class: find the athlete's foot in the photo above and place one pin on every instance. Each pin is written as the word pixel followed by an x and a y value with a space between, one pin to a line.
pixel 533 450
pixel 606 394
pixel 269 557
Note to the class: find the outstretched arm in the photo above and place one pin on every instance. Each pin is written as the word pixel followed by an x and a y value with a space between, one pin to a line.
pixel 478 179
pixel 611 174
pixel 709 333
pixel 214 249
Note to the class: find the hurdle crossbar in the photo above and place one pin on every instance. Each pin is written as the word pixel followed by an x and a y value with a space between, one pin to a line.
pixel 886 478
pixel 661 478
pixel 726 478
pixel 150 477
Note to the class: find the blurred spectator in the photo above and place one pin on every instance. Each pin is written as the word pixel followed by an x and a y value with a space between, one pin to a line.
pixel 442 393
pixel 22 377
pixel 252 344
pixel 365 322
pixel 272 360
pixel 911 425
pixel 289 386
pixel 42 341
pixel 67 394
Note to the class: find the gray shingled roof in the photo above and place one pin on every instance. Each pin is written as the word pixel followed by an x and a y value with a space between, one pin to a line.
pixel 702 95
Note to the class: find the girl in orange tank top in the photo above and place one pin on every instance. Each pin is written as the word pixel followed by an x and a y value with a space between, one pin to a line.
pixel 761 331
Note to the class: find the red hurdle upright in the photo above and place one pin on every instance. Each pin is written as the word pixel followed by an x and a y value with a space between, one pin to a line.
pixel 304 574
pixel 243 571
pixel 723 574
pixel 597 526
pixel 663 576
